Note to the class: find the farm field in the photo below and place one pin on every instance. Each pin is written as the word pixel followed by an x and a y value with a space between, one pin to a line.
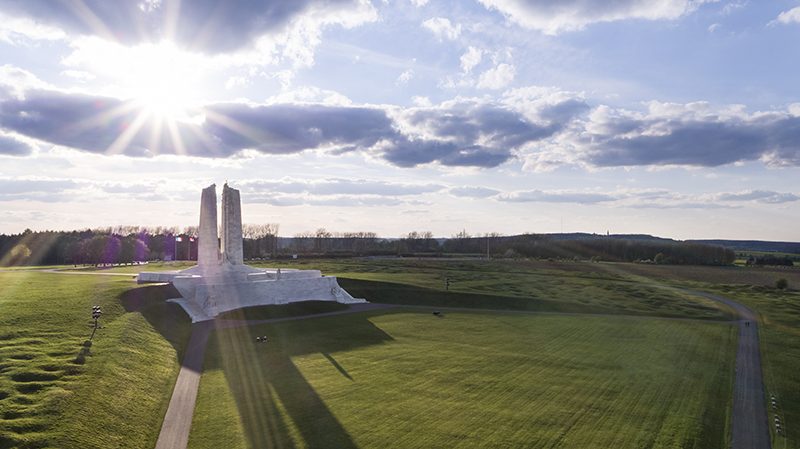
pixel 405 378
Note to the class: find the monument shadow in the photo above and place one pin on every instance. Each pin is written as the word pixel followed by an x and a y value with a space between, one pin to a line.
pixel 264 380
pixel 168 319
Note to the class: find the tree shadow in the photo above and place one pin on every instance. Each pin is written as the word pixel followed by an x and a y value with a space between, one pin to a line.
pixel 272 395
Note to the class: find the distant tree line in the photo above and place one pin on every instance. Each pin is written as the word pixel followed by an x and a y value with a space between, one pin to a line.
pixel 770 261
pixel 134 244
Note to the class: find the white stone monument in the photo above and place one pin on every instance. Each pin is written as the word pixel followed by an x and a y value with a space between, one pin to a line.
pixel 221 281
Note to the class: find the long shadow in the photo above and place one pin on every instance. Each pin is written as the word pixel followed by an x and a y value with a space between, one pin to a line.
pixel 168 319
pixel 411 295
pixel 267 386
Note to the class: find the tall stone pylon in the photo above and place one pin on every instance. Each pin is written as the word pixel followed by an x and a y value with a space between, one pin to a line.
pixel 208 246
pixel 231 226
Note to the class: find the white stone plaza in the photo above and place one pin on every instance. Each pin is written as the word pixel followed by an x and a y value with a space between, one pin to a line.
pixel 221 282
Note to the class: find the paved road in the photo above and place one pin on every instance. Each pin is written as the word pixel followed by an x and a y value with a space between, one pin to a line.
pixel 749 430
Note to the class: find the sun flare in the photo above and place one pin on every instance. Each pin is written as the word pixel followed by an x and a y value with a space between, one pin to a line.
pixel 163 79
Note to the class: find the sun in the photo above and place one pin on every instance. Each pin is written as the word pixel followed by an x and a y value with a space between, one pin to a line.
pixel 160 78
pixel 163 81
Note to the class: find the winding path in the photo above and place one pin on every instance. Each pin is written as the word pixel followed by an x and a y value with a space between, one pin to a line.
pixel 749 429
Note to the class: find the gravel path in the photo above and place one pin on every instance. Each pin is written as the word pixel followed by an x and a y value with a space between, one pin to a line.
pixel 749 430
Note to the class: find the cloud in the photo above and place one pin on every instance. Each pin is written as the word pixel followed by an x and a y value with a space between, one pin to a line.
pixel 497 78
pixel 442 28
pixel 539 196
pixel 405 77
pixel 473 192
pixel 713 27
pixel 33 189
pixel 207 26
pixel 670 134
pixel 761 196
pixel 470 59
pixel 79 75
pixel 731 7
pixel 552 17
pixel 236 81
pixel 339 186
pixel 14 30
pixel 787 17
pixel 648 198
pixel 11 146
pixel 462 132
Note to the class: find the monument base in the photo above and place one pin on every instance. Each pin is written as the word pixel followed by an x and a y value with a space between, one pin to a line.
pixel 206 294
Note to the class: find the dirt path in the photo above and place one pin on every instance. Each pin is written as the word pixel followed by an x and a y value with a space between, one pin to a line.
pixel 749 430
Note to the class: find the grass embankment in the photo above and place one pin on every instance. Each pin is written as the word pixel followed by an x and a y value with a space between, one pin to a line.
pixel 58 391
pixel 473 379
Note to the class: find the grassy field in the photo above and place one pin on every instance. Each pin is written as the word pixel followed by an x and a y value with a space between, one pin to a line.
pixel 511 286
pixel 56 390
pixel 404 378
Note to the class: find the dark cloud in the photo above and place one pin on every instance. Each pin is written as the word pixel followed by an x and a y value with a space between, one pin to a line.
pixel 210 26
pixel 463 134
pixel 291 128
pixel 476 134
pixel 697 142
pixel 13 147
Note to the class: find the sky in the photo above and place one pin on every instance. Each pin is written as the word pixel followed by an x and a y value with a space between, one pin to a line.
pixel 676 118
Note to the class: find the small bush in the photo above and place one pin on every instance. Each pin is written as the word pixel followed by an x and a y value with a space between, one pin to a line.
pixel 782 284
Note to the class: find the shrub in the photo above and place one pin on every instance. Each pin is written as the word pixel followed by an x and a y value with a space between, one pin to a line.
pixel 781 284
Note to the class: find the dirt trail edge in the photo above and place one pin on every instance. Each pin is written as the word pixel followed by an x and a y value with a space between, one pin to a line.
pixel 750 424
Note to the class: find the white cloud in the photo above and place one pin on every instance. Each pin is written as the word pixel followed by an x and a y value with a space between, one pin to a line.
pixel 713 27
pixel 236 81
pixel 497 78
pixel 404 77
pixel 425 102
pixel 792 15
pixel 79 75
pixel 419 2
pixel 552 17
pixel 731 7
pixel 442 27
pixel 470 59
pixel 13 29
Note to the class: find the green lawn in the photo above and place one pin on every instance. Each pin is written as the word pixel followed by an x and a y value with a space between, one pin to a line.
pixel 510 286
pixel 779 335
pixel 58 391
pixel 475 378
pixel 404 378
